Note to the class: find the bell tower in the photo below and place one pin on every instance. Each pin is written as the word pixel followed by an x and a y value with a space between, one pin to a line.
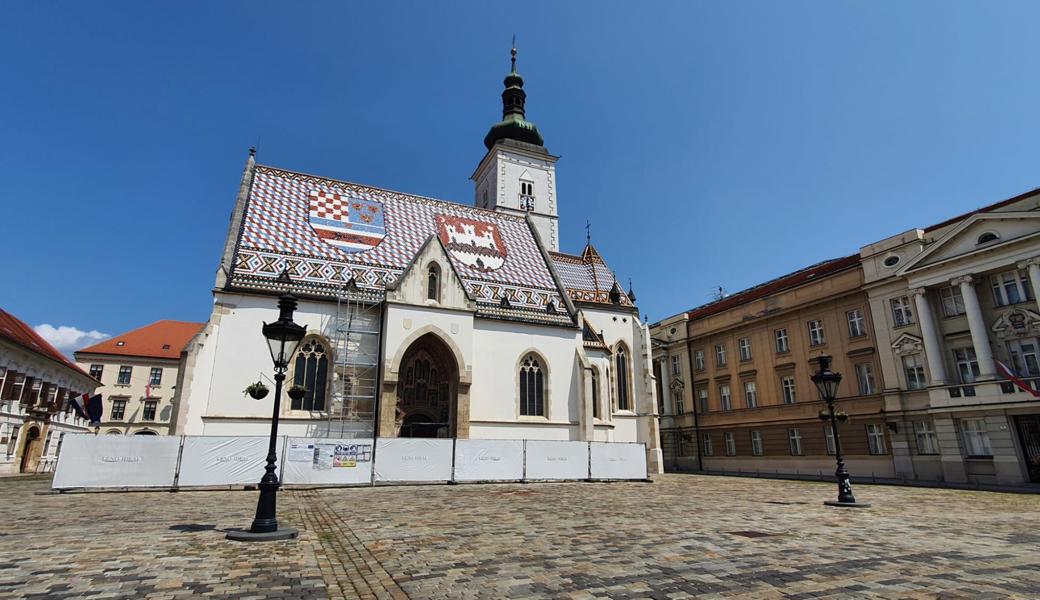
pixel 518 175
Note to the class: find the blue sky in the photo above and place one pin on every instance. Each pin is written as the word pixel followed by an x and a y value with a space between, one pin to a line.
pixel 710 144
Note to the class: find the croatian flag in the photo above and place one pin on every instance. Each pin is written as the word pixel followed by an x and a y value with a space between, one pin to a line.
pixel 88 407
pixel 1015 379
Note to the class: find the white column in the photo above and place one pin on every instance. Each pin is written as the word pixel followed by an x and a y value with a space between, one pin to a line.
pixel 1033 266
pixel 977 325
pixel 932 349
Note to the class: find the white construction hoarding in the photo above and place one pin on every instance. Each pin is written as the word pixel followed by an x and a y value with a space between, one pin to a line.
pixel 413 459
pixel 557 460
pixel 220 460
pixel 617 460
pixel 89 461
pixel 489 460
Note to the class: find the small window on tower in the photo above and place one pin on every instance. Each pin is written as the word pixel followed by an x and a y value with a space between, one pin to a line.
pixel 526 195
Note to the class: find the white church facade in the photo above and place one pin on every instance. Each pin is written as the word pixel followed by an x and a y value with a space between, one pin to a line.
pixel 425 318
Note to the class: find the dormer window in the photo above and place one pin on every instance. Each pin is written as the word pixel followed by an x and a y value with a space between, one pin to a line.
pixel 986 238
pixel 433 283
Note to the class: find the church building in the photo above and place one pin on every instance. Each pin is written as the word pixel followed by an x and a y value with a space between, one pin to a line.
pixel 425 318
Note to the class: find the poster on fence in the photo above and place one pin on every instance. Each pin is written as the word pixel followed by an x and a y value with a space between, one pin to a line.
pixel 557 460
pixel 91 461
pixel 332 461
pixel 224 460
pixel 617 460
pixel 489 460
pixel 413 459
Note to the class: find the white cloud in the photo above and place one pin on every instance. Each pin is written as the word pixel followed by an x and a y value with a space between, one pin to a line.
pixel 69 339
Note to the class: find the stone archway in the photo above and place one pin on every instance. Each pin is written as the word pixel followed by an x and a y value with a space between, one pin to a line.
pixel 427 390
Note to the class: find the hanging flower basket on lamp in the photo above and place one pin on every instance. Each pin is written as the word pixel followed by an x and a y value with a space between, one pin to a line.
pixel 257 391
pixel 297 392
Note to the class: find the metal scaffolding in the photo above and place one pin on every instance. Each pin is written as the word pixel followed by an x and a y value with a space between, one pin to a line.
pixel 354 333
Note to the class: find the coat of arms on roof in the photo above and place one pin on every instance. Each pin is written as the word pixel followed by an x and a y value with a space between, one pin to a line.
pixel 350 224
pixel 473 243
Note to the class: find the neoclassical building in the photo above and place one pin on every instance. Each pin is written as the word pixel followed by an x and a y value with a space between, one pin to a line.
pixel 951 301
pixel 36 382
pixel 918 323
pixel 138 372
pixel 425 318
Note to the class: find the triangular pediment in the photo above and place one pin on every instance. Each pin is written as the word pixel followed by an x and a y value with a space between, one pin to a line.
pixel 979 233
pixel 413 286
pixel 1016 322
pixel 907 343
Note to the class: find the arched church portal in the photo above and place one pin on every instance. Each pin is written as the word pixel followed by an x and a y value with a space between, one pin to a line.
pixel 427 391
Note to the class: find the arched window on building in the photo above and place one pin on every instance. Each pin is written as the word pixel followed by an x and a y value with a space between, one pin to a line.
pixel 532 387
pixel 596 414
pixel 622 380
pixel 311 370
pixel 433 283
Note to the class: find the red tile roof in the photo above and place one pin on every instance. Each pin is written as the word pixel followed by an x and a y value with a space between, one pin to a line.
pixel 993 206
pixel 822 269
pixel 162 339
pixel 17 331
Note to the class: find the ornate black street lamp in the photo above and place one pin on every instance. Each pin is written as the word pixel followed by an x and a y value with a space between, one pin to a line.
pixel 827 384
pixel 282 338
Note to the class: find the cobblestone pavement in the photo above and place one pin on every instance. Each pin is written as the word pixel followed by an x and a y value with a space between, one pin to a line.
pixel 682 536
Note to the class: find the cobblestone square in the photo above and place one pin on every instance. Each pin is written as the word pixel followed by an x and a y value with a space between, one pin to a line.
pixel 682 536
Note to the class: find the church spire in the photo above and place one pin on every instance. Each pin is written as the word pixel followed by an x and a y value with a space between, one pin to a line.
pixel 513 125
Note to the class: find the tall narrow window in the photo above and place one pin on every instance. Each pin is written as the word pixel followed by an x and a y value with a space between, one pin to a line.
pixel 902 314
pixel 914 370
pixel 756 443
pixel 433 283
pixel 787 387
pixel 816 333
pixel 595 394
pixel 532 387
pixel 96 371
pixel 745 349
pixel 155 376
pixel 725 401
pixel 720 355
pixel 828 436
pixel 707 444
pixel 118 409
pixel 952 301
pixel 731 443
pixel 125 372
pixel 927 441
pixel 676 365
pixel 702 400
pixel 312 372
pixel 876 438
pixel 794 439
pixel 621 364
pixel 857 325
pixel 865 378
pixel 698 359
pixel 783 343
pixel 750 394
pixel 526 195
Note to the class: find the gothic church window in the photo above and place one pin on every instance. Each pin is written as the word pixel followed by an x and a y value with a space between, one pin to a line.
pixel 621 366
pixel 433 283
pixel 532 387
pixel 311 371
pixel 526 195
pixel 595 394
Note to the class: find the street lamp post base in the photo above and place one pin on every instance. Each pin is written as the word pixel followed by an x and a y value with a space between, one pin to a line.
pixel 244 535
pixel 847 504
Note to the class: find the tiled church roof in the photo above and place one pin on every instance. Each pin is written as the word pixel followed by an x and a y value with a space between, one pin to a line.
pixel 371 235
pixel 587 277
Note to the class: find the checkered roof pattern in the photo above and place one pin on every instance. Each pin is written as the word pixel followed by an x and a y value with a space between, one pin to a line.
pixel 276 232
